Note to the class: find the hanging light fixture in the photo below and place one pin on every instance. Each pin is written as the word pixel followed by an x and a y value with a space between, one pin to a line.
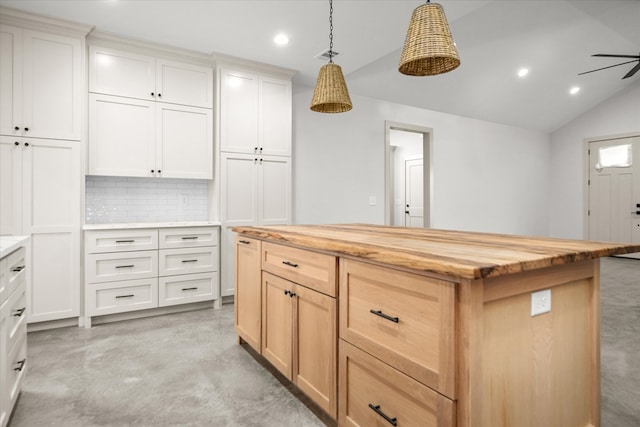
pixel 331 94
pixel 429 48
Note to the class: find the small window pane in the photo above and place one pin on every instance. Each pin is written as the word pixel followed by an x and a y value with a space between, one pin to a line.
pixel 619 156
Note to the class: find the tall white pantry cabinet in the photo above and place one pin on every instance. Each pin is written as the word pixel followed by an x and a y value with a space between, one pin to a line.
pixel 42 81
pixel 255 160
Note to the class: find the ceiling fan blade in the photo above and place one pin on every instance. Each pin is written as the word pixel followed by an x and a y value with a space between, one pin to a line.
pixel 607 55
pixel 610 66
pixel 632 71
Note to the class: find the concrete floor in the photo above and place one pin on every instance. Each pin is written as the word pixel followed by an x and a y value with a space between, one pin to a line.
pixel 188 370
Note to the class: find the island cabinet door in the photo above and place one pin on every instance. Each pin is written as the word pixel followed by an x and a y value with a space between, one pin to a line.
pixel 277 322
pixel 248 300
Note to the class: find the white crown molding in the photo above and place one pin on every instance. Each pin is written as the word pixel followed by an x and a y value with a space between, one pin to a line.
pixel 9 16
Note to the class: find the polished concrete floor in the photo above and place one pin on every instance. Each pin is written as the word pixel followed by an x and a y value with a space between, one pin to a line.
pixel 188 370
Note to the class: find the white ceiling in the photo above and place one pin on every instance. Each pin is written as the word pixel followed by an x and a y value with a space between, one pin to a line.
pixel 553 38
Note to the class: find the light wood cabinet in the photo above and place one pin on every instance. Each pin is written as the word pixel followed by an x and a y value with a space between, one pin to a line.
pixel 133 137
pixel 41 179
pixel 248 294
pixel 41 84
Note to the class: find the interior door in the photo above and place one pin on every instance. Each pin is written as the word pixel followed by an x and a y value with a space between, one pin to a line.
pixel 414 193
pixel 614 190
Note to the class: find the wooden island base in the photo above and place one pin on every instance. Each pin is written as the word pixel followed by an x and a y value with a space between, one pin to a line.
pixel 412 327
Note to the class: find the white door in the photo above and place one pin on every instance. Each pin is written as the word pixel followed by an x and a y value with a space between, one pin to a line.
pixel 51 194
pixel 275 117
pixel 238 111
pixel 121 136
pixel 116 72
pixel 10 80
pixel 184 147
pixel 414 193
pixel 239 186
pixel 185 84
pixel 11 185
pixel 614 190
pixel 274 194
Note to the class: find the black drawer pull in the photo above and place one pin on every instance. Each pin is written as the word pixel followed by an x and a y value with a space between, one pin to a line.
pixel 384 316
pixel 18 269
pixel 393 421
pixel 244 242
pixel 190 289
pixel 20 364
pixel 290 264
pixel 292 294
pixel 287 292
pixel 189 260
pixel 20 312
pixel 190 238
pixel 125 266
pixel 125 296
pixel 125 241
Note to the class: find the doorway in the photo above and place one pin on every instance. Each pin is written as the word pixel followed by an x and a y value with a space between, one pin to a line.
pixel 408 175
pixel 613 214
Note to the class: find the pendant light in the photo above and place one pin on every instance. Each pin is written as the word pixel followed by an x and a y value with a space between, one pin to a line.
pixel 331 94
pixel 429 48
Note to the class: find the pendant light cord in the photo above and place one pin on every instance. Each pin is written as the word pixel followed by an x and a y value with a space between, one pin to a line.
pixel 330 31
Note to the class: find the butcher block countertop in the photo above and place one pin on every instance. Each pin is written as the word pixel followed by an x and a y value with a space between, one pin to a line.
pixel 459 254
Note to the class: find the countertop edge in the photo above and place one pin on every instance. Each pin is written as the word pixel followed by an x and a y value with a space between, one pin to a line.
pixel 9 244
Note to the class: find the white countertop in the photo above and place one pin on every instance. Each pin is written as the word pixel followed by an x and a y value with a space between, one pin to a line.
pixel 114 226
pixel 9 244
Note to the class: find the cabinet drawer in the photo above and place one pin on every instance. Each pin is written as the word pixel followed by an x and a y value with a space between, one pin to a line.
pixel 188 237
pixel 189 260
pixel 401 318
pixel 120 240
pixel 16 316
pixel 121 266
pixel 14 272
pixel 117 297
pixel 371 390
pixel 312 269
pixel 15 371
pixel 188 288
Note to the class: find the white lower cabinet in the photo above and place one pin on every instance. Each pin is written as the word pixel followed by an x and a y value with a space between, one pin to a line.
pixel 13 330
pixel 177 266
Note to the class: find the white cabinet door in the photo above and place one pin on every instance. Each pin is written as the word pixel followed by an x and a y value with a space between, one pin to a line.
pixel 274 194
pixel 116 72
pixel 239 186
pixel 10 80
pixel 121 136
pixel 184 141
pixel 10 185
pixel 40 83
pixel 51 215
pixel 275 116
pixel 185 84
pixel 228 262
pixel 238 111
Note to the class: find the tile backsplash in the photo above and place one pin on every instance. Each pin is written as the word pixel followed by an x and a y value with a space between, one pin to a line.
pixel 111 199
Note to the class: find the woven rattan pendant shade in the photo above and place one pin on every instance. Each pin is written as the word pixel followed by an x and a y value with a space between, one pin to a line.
pixel 429 48
pixel 330 94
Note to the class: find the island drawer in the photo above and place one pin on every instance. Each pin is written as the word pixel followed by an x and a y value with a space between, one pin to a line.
pixel 188 260
pixel 187 288
pixel 407 320
pixel 121 266
pixel 373 393
pixel 116 297
pixel 100 241
pixel 188 237
pixel 15 273
pixel 16 316
pixel 16 369
pixel 311 269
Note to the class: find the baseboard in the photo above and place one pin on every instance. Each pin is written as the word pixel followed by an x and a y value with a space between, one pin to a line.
pixel 151 312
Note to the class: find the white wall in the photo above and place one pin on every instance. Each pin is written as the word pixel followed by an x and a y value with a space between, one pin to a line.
pixel 486 176
pixel 619 114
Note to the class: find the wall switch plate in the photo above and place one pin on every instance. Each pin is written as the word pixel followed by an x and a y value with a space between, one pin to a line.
pixel 540 302
pixel 372 200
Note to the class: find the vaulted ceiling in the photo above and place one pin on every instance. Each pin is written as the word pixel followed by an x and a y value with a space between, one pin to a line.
pixel 554 39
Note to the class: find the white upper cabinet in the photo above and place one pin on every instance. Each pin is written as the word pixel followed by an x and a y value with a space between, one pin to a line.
pixel 255 113
pixel 122 73
pixel 40 80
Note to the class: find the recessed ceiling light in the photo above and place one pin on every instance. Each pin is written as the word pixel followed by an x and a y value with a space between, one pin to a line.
pixel 574 90
pixel 523 72
pixel 281 39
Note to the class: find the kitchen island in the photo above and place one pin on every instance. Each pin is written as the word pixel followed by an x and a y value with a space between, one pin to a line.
pixel 401 326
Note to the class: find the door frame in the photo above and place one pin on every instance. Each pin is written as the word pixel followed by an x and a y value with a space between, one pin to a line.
pixel 586 173
pixel 427 155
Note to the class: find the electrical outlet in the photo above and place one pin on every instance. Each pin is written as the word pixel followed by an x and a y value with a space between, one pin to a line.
pixel 540 302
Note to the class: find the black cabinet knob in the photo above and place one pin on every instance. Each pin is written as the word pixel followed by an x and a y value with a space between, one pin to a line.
pixel 26 144
pixel 26 129
pixel 152 170
pixel 153 94
pixel 159 95
pixel 17 128
pixel 16 143
pixel 159 171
